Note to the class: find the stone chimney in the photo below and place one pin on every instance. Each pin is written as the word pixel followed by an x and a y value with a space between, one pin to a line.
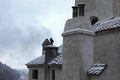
pixel 49 49
pixel 78 10
pixel 50 52
pixel 75 11
pixel 81 9
pixel 44 44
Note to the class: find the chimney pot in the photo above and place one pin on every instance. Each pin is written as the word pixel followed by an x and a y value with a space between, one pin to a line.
pixel 81 9
pixel 75 11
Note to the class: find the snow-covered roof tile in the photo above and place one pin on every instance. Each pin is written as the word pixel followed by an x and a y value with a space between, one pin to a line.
pixel 113 23
pixel 60 49
pixel 96 69
pixel 41 59
pixel 57 60
pixel 38 60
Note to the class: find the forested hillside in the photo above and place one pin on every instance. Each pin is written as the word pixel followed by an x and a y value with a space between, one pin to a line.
pixel 7 73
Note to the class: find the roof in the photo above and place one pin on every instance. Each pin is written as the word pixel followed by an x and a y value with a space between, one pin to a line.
pixel 57 60
pixel 38 60
pixel 60 49
pixel 109 24
pixel 41 60
pixel 51 46
pixel 96 69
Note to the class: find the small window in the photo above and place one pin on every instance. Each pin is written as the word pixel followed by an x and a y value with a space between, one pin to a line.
pixel 93 19
pixel 35 74
pixel 53 74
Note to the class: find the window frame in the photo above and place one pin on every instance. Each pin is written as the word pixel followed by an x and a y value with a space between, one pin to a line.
pixel 34 74
pixel 53 75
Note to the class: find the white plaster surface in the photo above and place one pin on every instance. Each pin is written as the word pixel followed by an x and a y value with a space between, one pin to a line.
pixel 40 73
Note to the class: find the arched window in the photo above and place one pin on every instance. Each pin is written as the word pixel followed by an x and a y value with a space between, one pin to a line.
pixel 93 19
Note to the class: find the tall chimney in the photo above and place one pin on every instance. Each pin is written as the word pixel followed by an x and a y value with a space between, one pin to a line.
pixel 81 9
pixel 50 53
pixel 44 44
pixel 75 11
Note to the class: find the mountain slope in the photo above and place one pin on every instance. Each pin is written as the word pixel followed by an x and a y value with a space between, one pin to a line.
pixel 7 73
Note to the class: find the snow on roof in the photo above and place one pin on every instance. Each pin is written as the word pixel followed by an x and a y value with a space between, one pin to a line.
pixel 41 59
pixel 38 60
pixel 113 23
pixel 96 69
pixel 51 46
pixel 60 49
pixel 57 60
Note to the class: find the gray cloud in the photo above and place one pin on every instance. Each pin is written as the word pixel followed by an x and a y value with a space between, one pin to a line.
pixel 20 36
pixel 24 24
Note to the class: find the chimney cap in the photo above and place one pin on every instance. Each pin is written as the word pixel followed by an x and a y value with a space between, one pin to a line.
pixel 51 46
pixel 46 42
pixel 75 7
pixel 81 4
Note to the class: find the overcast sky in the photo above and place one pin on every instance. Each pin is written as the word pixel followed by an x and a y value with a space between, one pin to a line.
pixel 24 24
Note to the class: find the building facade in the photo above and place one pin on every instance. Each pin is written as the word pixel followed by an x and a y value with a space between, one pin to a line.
pixel 91 41
pixel 91 45
pixel 48 66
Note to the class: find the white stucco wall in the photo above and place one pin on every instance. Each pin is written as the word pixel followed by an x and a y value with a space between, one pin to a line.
pixel 107 50
pixel 103 9
pixel 40 73
pixel 58 74
pixel 78 49
pixel 77 54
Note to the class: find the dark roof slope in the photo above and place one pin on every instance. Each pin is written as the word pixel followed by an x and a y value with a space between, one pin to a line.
pixel 57 60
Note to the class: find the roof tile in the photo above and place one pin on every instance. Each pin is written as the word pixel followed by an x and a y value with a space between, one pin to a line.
pixel 57 60
pixel 96 69
pixel 113 23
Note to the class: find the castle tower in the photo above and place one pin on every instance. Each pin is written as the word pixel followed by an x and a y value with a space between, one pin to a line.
pixel 103 9
pixel 77 43
pixel 79 36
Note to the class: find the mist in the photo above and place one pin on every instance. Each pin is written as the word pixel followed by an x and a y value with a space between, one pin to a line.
pixel 24 24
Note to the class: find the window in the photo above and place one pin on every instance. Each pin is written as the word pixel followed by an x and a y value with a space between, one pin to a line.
pixel 35 74
pixel 53 74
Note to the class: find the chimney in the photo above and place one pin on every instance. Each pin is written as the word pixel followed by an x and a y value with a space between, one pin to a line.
pixel 44 44
pixel 50 52
pixel 81 9
pixel 75 11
